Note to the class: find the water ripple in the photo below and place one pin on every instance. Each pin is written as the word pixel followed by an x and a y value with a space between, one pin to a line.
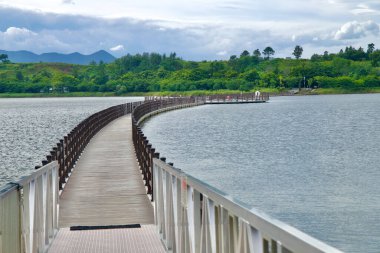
pixel 30 127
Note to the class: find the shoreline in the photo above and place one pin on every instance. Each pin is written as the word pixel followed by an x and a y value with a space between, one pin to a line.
pixel 272 92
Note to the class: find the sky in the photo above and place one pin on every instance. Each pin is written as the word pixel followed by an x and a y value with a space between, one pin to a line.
pixel 195 30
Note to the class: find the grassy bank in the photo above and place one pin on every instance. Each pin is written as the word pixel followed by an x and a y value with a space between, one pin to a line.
pixel 69 94
pixel 320 91
pixel 332 91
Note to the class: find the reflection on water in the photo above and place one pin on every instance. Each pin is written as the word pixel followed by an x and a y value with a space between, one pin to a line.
pixel 30 127
pixel 313 162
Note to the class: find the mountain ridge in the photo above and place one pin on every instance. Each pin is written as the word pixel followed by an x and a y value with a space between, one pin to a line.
pixel 24 56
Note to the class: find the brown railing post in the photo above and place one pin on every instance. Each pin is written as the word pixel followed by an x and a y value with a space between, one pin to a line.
pixel 53 155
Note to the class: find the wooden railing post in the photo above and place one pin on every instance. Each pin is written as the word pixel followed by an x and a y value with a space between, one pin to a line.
pixel 53 155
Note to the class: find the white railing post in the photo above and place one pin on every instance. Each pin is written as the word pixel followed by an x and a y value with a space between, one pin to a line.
pixel 256 241
pixel 211 214
pixel 208 238
pixel 160 204
pixel 169 212
pixel 31 211
pixel 194 217
pixel 156 194
pixel 176 188
pixel 223 230
pixel 55 196
pixel 10 221
pixel 44 232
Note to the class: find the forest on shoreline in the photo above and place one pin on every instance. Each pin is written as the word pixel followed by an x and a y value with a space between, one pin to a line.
pixel 349 71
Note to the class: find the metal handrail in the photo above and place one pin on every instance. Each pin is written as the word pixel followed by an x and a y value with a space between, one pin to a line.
pixel 193 216
pixel 29 211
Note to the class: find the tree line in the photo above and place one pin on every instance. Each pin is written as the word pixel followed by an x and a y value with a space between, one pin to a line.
pixel 350 68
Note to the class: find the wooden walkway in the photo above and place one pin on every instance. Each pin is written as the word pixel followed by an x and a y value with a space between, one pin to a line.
pixel 106 188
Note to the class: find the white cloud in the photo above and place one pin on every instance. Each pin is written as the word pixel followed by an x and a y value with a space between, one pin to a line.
pixel 195 30
pixel 18 33
pixel 15 38
pixel 68 2
pixel 363 6
pixel 364 9
pixel 355 30
pixel 117 48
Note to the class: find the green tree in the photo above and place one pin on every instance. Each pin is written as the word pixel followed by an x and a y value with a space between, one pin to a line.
pixel 297 51
pixel 375 58
pixel 326 56
pixel 370 48
pixel 101 76
pixel 244 53
pixel 4 58
pixel 268 51
pixel 44 76
pixel 269 79
pixel 64 82
pixel 354 54
pixel 252 76
pixel 232 57
pixel 341 66
pixel 216 68
pixel 257 53
pixel 19 76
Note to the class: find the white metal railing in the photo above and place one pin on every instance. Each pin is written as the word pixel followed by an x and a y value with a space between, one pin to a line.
pixel 193 217
pixel 29 212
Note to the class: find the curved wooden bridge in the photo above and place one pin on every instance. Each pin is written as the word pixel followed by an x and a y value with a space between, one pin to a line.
pixel 103 188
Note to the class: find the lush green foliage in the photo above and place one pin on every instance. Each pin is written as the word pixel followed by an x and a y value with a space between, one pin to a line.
pixel 353 69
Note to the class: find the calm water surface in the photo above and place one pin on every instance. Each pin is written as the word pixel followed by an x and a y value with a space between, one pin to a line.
pixel 30 127
pixel 313 162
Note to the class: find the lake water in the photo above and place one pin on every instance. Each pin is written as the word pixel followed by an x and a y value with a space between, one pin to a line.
pixel 312 162
pixel 30 127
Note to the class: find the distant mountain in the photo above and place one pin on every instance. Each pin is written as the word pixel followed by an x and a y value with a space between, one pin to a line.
pixel 74 58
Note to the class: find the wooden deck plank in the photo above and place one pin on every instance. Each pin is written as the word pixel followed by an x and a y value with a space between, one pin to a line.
pixel 106 187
